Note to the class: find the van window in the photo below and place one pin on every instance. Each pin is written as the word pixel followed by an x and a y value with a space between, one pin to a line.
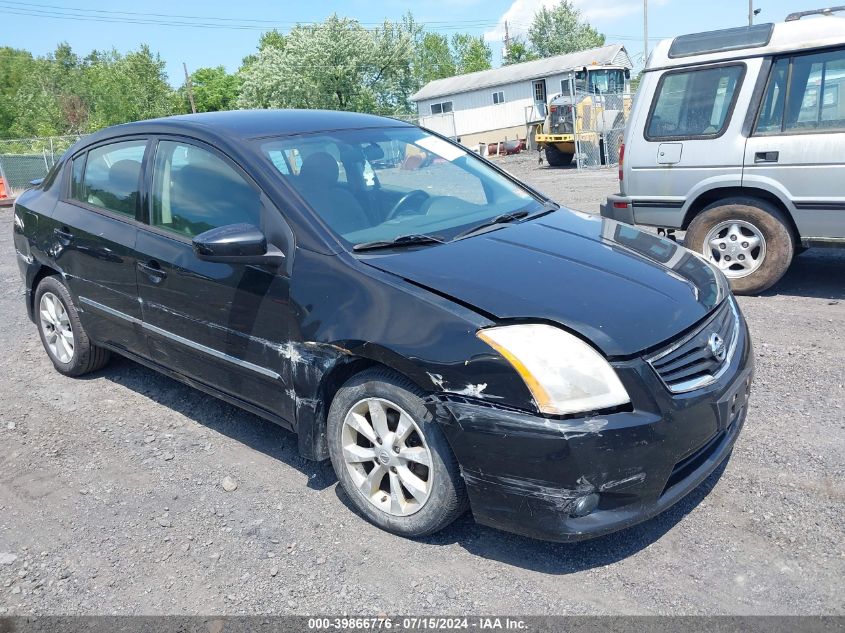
pixel 770 118
pixel 694 104
pixel 815 99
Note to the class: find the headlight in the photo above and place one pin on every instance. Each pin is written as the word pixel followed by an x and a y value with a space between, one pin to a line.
pixel 563 373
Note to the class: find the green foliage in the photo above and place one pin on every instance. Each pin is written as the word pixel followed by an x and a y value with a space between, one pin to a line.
pixel 433 59
pixel 517 52
pixel 471 53
pixel 214 89
pixel 65 94
pixel 337 65
pixel 16 69
pixel 560 30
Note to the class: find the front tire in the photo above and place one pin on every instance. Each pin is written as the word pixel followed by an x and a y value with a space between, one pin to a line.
pixel 748 239
pixel 391 458
pixel 557 158
pixel 64 339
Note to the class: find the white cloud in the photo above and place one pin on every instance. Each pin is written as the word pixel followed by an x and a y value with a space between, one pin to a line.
pixel 520 14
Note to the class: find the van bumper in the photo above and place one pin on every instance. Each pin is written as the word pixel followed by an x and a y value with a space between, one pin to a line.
pixel 668 213
pixel 618 207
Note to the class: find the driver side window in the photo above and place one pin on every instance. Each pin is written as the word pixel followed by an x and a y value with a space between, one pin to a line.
pixel 195 191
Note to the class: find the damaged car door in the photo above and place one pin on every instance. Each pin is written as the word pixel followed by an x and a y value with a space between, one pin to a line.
pixel 221 320
pixel 93 235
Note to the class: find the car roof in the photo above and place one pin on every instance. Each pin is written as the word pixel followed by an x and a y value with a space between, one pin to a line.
pixel 251 124
pixel 786 37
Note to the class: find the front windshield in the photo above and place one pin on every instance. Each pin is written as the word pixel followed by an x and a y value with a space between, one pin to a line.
pixel 378 184
pixel 607 81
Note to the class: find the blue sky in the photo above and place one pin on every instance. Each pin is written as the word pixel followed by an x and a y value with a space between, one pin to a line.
pixel 38 26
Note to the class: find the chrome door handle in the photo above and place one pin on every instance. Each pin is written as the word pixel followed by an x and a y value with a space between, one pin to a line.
pixel 152 270
pixel 63 234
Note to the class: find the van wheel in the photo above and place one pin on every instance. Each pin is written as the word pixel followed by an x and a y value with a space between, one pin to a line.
pixel 748 239
pixel 391 457
pixel 557 158
pixel 66 342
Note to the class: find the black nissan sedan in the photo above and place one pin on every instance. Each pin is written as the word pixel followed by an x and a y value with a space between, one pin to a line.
pixel 447 336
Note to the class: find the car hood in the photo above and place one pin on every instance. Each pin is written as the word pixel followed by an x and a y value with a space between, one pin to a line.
pixel 622 288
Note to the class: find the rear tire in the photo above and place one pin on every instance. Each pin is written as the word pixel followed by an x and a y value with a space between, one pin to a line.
pixel 378 464
pixel 721 231
pixel 557 158
pixel 64 339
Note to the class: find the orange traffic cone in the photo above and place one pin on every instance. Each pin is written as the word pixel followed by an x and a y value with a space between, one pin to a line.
pixel 3 193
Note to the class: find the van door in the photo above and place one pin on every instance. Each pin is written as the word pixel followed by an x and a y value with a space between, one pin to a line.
pixel 692 138
pixel 795 150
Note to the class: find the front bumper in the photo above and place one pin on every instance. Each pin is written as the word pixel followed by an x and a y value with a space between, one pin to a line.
pixel 525 473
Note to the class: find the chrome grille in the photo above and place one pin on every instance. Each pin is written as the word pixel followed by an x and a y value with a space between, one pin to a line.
pixel 694 361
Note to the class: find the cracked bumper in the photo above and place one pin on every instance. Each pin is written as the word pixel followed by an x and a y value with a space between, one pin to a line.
pixel 524 473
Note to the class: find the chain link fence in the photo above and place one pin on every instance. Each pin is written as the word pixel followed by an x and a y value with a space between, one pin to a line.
pixel 25 160
pixel 599 124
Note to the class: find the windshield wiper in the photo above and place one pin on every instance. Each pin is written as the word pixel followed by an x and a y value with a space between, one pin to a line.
pixel 403 240
pixel 505 218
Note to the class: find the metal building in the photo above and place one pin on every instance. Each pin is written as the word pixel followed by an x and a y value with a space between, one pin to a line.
pixel 500 104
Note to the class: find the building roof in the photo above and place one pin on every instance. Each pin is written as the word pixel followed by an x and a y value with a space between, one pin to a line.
pixel 604 55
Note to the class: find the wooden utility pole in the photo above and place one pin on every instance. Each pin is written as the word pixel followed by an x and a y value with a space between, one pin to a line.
pixel 190 88
pixel 507 40
pixel 750 12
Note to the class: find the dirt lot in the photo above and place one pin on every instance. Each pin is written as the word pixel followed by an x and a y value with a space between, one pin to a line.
pixel 111 497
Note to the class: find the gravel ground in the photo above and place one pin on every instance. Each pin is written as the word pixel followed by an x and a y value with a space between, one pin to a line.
pixel 114 495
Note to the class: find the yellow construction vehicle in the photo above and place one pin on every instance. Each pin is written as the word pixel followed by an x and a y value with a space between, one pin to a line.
pixel 593 107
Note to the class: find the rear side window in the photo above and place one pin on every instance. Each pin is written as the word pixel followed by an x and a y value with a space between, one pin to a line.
pixel 805 94
pixel 694 104
pixel 78 171
pixel 111 177
pixel 195 191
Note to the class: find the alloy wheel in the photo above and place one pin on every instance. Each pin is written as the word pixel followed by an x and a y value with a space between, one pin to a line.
pixel 55 324
pixel 737 247
pixel 387 457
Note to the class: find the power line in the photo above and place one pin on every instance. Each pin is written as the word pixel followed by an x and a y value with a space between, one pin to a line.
pixel 160 19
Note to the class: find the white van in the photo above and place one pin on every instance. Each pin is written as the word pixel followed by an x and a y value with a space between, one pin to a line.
pixel 738 137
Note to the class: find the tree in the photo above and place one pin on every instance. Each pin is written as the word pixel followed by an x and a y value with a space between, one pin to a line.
pixel 433 58
pixel 17 67
pixel 471 53
pixel 560 30
pixel 270 39
pixel 214 89
pixel 337 64
pixel 517 52
pixel 46 95
pixel 128 88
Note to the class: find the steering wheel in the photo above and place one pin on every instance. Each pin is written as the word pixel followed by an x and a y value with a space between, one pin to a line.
pixel 414 193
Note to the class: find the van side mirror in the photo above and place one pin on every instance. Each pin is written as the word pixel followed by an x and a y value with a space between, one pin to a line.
pixel 236 244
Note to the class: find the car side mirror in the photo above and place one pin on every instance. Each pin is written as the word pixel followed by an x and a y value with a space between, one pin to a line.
pixel 236 244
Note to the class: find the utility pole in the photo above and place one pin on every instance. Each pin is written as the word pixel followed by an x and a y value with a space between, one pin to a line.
pixel 750 12
pixel 645 32
pixel 507 40
pixel 190 88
